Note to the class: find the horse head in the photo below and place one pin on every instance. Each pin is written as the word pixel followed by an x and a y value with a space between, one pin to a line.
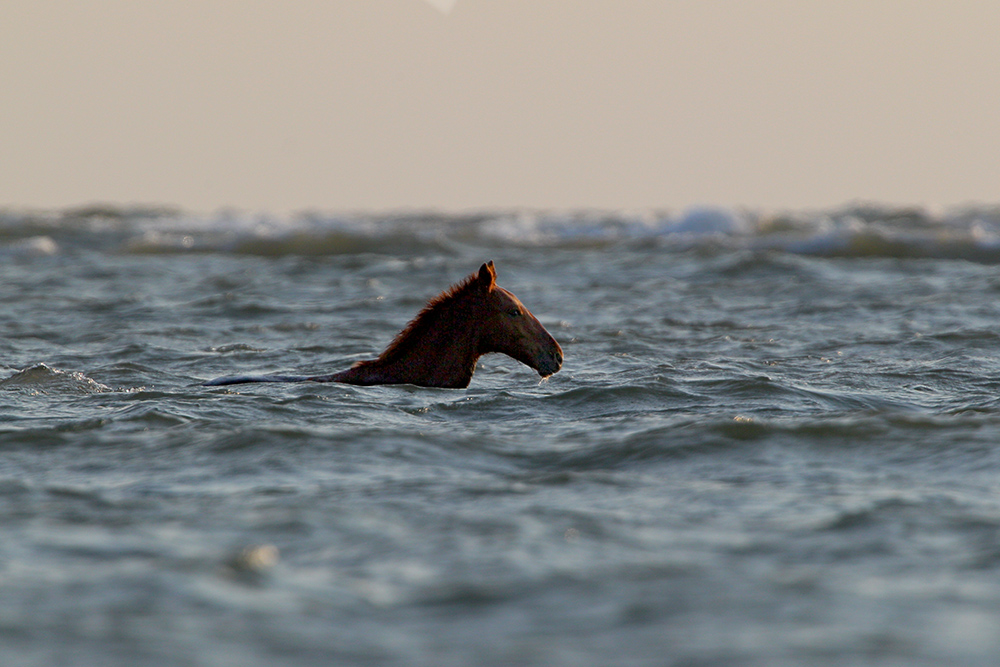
pixel 510 328
pixel 440 346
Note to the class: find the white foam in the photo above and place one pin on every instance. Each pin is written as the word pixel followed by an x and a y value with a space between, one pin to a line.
pixel 972 233
pixel 35 246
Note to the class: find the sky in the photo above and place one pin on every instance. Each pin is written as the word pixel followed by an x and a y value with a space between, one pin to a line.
pixel 471 104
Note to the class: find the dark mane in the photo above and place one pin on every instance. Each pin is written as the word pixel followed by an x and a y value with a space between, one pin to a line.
pixel 425 321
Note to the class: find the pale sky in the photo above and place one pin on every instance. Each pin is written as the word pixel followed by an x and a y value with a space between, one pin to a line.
pixel 381 104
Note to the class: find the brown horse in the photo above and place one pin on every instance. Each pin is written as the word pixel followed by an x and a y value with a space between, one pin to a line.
pixel 440 347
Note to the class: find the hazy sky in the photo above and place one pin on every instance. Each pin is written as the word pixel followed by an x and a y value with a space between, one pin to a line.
pixel 375 104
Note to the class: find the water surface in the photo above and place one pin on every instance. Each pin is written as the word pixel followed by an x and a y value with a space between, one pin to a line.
pixel 774 441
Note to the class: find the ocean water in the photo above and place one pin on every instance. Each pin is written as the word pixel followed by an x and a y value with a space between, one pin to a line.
pixel 775 440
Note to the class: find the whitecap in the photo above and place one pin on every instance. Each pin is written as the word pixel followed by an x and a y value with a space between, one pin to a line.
pixel 35 246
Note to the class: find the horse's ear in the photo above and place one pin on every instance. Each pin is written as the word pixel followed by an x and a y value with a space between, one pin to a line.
pixel 487 276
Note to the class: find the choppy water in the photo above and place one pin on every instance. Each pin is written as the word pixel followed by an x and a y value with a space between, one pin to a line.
pixel 775 440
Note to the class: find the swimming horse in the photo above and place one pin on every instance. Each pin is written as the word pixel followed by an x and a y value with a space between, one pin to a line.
pixel 440 346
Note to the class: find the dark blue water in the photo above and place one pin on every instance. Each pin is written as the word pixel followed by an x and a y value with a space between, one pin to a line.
pixel 775 440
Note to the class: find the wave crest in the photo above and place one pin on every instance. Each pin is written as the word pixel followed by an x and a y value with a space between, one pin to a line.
pixel 971 233
pixel 42 379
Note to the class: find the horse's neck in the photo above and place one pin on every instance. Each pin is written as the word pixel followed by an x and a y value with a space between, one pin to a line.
pixel 442 356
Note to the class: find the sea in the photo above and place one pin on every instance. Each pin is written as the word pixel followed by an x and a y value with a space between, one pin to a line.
pixel 775 440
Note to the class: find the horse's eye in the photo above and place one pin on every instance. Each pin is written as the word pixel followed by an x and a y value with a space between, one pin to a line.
pixel 514 312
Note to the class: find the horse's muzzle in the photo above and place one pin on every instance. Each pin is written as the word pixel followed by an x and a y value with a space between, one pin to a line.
pixel 550 362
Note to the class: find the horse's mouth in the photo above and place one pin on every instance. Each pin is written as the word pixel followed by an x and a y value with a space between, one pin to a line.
pixel 550 363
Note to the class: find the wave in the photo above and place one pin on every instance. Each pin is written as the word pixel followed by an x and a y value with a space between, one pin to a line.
pixel 43 379
pixel 970 233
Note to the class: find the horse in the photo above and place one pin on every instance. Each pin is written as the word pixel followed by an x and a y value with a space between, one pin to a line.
pixel 441 345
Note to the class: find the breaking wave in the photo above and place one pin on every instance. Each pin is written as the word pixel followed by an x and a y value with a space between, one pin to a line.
pixel 43 379
pixel 970 233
